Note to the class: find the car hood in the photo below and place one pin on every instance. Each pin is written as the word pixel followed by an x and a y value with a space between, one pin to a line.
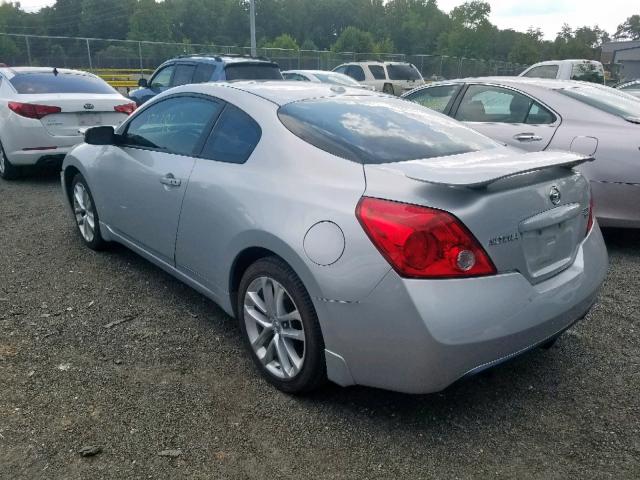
pixel 478 169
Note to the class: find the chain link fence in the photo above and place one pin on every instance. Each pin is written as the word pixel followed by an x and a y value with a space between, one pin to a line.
pixel 95 53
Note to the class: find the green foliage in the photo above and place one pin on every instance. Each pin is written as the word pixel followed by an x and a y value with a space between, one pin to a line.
pixel 630 29
pixel 285 41
pixel 308 45
pixel 363 26
pixel 353 39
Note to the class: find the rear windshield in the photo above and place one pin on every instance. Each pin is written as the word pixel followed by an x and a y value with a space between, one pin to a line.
pixel 379 130
pixel 35 83
pixel 253 71
pixel 606 99
pixel 588 72
pixel 403 71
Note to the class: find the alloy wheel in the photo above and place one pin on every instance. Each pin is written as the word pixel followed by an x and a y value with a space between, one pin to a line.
pixel 274 327
pixel 84 212
pixel 2 161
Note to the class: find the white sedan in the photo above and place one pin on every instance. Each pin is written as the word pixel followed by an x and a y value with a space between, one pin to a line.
pixel 43 112
pixel 321 76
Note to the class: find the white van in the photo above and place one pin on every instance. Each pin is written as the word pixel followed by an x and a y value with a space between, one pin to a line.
pixel 584 70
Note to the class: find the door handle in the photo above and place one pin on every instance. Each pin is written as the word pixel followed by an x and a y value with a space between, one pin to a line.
pixel 170 180
pixel 527 137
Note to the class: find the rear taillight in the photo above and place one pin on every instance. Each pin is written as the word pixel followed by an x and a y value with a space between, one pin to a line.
pixel 127 108
pixel 31 110
pixel 590 219
pixel 422 242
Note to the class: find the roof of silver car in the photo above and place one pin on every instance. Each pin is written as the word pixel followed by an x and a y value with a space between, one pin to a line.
pixel 539 82
pixel 282 92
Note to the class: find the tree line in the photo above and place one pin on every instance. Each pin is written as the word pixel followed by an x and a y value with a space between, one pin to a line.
pixel 378 26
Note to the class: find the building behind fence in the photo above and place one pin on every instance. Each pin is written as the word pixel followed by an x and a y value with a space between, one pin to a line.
pixel 96 54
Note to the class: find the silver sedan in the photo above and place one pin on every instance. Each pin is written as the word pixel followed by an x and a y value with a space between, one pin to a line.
pixel 538 114
pixel 355 236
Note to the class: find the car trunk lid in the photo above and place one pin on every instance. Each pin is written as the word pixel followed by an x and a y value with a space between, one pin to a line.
pixel 79 111
pixel 528 211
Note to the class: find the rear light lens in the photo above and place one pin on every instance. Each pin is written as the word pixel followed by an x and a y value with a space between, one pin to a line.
pixel 31 110
pixel 127 108
pixel 422 242
pixel 590 219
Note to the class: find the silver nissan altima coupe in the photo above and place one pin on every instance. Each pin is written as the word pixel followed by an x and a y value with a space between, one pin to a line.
pixel 355 236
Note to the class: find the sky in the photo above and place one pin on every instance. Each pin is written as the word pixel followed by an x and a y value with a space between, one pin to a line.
pixel 548 15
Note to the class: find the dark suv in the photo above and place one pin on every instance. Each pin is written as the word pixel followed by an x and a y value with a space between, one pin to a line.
pixel 200 68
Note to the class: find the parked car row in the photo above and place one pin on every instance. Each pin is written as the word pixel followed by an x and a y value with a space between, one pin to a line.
pixel 399 243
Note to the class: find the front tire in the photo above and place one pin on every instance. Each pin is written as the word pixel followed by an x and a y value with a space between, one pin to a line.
pixel 280 327
pixel 85 213
pixel 8 171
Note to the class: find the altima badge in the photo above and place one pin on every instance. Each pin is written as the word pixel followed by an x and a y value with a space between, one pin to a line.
pixel 555 195
pixel 88 106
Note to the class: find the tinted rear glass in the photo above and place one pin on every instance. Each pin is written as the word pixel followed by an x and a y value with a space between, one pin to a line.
pixel 36 83
pixel 403 71
pixel 587 72
pixel 379 130
pixel 253 71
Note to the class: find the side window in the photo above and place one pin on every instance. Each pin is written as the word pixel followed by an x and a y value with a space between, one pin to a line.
pixel 341 69
pixel 378 72
pixel 183 75
pixel 233 138
pixel 538 115
pixel 435 98
pixel 163 77
pixel 355 72
pixel 485 103
pixel 204 72
pixel 543 71
pixel 174 125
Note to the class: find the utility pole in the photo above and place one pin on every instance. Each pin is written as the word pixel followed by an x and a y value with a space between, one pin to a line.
pixel 252 22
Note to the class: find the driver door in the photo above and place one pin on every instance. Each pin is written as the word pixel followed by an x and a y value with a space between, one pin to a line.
pixel 507 116
pixel 150 169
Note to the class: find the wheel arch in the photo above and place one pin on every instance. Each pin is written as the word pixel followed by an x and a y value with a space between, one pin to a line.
pixel 266 245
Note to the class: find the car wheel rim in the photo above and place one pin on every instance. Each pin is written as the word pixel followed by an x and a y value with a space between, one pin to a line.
pixel 2 160
pixel 274 327
pixel 85 214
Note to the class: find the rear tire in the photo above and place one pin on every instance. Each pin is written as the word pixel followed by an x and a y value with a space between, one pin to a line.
pixel 85 213
pixel 280 327
pixel 8 171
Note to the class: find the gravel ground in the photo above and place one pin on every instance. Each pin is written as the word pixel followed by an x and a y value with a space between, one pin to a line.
pixel 106 350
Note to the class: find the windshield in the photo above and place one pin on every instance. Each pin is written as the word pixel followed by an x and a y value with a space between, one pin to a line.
pixel 253 71
pixel 607 100
pixel 403 71
pixel 379 130
pixel 37 83
pixel 337 79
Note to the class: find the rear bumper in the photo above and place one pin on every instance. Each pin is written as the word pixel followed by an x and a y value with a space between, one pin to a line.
pixel 26 142
pixel 40 157
pixel 419 336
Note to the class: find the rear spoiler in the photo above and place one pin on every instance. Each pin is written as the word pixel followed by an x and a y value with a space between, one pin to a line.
pixel 479 169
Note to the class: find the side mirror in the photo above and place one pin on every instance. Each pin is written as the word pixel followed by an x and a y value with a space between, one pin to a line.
pixel 100 136
pixel 143 83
